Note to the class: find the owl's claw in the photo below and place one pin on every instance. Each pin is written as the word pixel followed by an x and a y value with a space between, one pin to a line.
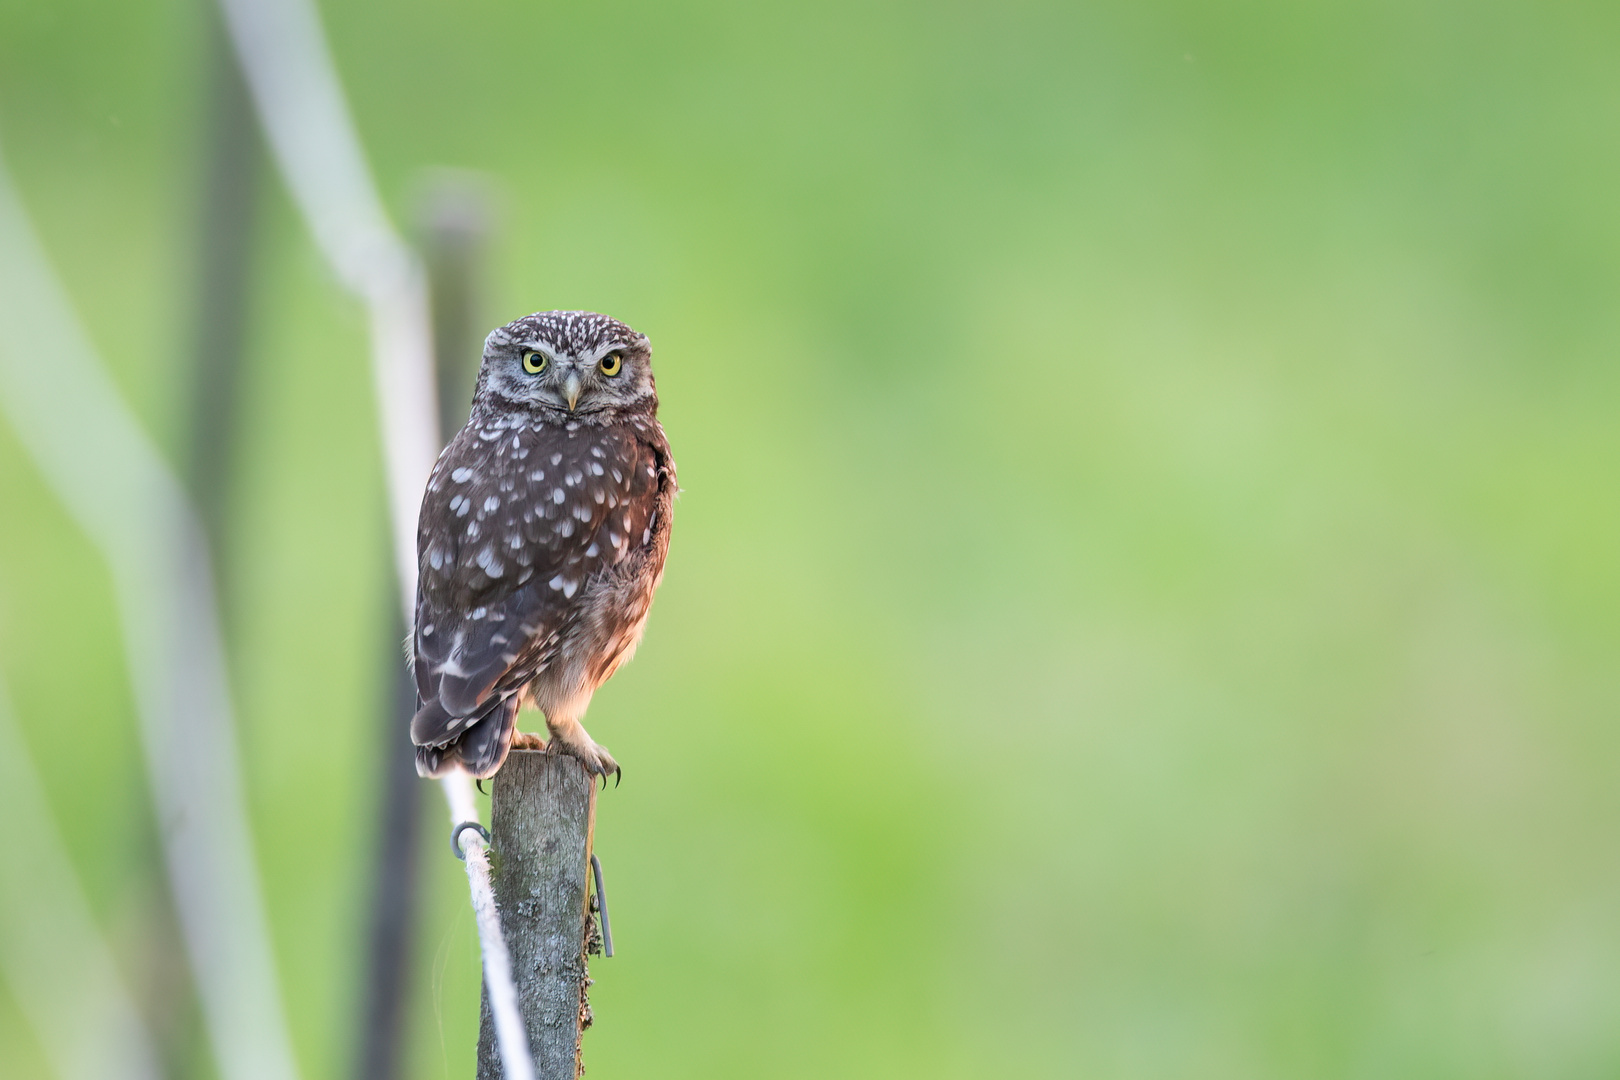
pixel 573 741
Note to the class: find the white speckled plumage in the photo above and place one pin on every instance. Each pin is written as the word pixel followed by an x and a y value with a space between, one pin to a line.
pixel 548 607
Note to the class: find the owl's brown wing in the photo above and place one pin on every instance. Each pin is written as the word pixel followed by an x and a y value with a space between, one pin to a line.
pixel 514 524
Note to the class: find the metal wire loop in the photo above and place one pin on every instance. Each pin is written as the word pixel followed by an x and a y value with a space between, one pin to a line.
pixel 601 906
pixel 455 837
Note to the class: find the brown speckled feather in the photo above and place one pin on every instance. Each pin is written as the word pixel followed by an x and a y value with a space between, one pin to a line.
pixel 541 539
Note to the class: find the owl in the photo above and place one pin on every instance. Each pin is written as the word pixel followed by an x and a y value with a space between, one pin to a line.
pixel 540 543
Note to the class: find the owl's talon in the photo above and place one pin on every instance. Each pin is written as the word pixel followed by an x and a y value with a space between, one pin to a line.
pixel 595 759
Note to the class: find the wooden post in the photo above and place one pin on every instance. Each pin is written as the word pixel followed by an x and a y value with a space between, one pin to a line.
pixel 543 811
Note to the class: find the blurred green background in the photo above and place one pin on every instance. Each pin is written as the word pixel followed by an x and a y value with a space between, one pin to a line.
pixel 1145 599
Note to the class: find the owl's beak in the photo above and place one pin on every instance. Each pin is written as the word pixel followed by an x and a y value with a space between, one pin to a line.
pixel 570 389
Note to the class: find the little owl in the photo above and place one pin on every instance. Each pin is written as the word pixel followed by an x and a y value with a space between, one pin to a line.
pixel 542 537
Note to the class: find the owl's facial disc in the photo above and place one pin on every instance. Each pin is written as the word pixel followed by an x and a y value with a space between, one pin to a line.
pixel 578 364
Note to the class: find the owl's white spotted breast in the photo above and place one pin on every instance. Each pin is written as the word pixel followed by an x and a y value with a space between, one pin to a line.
pixel 537 541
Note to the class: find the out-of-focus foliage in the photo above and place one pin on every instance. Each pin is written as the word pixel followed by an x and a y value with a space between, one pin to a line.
pixel 1144 602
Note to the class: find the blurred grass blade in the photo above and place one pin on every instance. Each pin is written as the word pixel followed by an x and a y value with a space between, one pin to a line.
pixel 312 138
pixel 52 955
pixel 302 110
pixel 121 492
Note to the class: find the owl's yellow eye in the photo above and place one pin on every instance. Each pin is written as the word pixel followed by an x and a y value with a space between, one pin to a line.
pixel 612 363
pixel 534 363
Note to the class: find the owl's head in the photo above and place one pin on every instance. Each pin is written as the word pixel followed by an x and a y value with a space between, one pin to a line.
pixel 575 365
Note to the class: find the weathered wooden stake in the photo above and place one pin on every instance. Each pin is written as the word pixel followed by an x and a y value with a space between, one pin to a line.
pixel 543 812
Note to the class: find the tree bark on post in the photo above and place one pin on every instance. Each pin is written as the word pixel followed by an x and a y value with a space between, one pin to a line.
pixel 543 811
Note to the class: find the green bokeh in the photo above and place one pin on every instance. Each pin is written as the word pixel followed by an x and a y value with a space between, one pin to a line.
pixel 1145 598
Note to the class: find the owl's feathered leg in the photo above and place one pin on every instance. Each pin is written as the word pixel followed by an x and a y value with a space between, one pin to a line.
pixel 569 737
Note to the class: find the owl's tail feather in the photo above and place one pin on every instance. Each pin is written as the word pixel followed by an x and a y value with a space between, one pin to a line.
pixel 479 749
